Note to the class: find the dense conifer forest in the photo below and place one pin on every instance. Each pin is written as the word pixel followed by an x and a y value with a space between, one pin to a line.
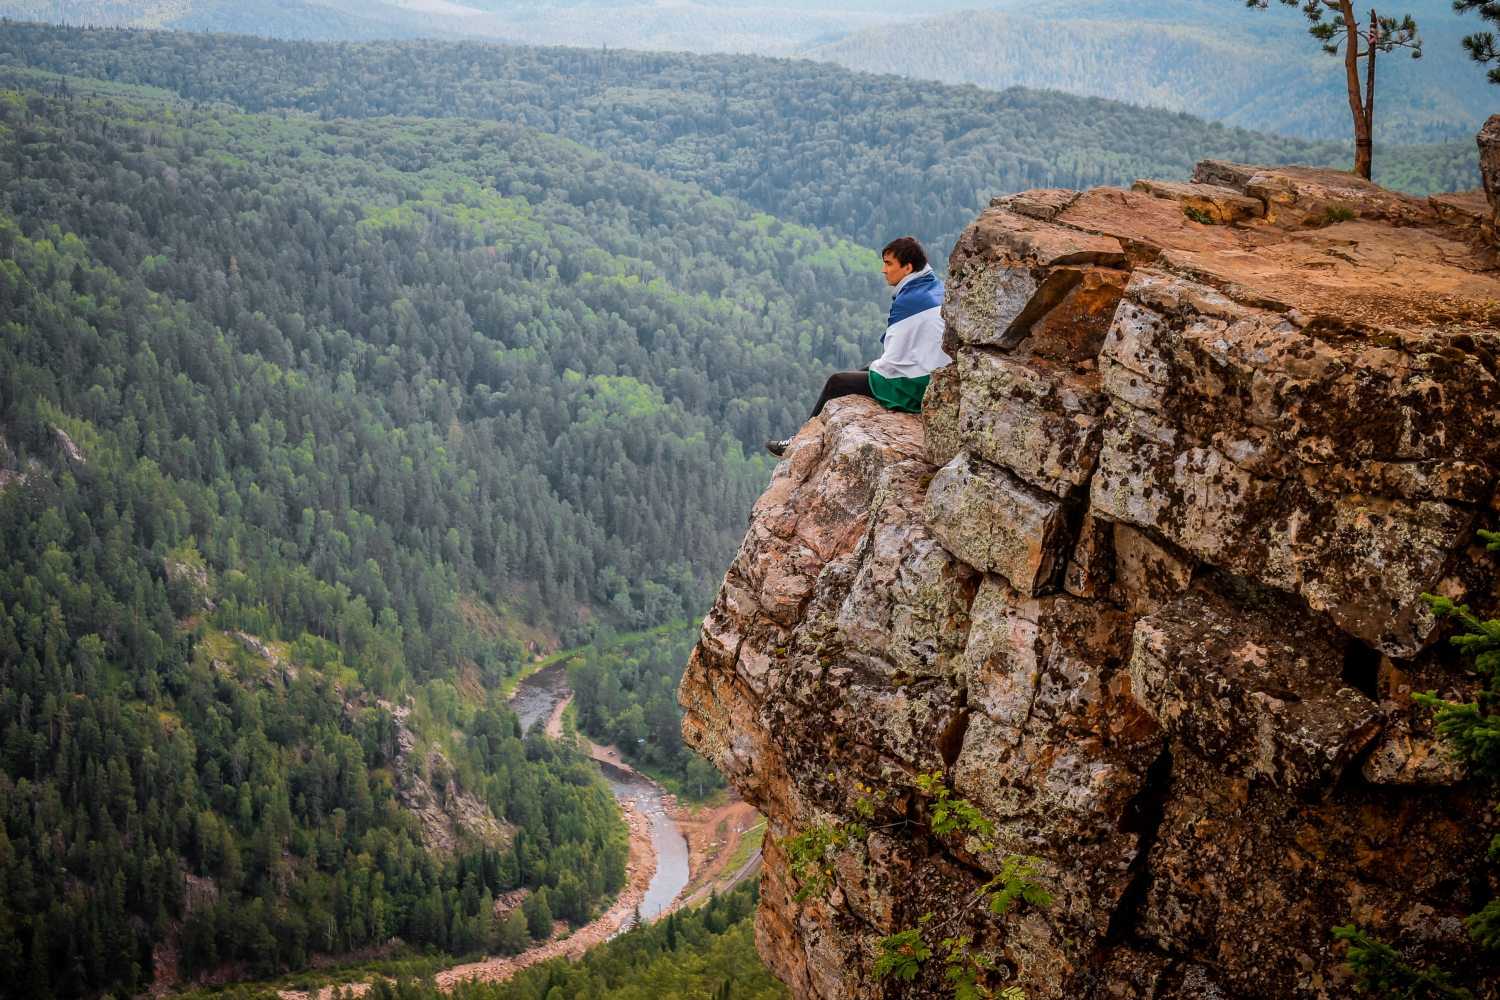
pixel 373 392
pixel 698 954
pixel 703 953
pixel 868 157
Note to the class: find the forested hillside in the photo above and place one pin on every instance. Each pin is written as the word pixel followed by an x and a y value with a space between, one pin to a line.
pixel 370 393
pixel 1213 58
pixel 625 694
pixel 868 157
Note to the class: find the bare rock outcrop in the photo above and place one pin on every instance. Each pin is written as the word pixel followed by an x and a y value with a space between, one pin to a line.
pixel 451 816
pixel 70 450
pixel 190 576
pixel 1143 584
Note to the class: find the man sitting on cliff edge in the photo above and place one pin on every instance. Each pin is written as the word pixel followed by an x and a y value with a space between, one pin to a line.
pixel 913 342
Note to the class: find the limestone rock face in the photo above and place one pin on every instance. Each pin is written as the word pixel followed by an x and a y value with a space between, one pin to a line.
pixel 1230 434
pixel 1143 584
pixel 1254 685
pixel 997 524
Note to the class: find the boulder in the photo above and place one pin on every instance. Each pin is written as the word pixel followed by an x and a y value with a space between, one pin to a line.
pixel 1040 424
pixel 1041 203
pixel 998 524
pixel 1469 212
pixel 940 416
pixel 1231 852
pixel 1008 269
pixel 1029 305
pixel 1401 757
pixel 1301 196
pixel 1253 683
pixel 1146 571
pixel 1048 666
pixel 1056 755
pixel 1229 436
pixel 1212 203
pixel 905 609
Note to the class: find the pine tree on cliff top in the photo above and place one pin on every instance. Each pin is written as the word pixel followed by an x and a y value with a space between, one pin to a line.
pixel 1481 46
pixel 1334 24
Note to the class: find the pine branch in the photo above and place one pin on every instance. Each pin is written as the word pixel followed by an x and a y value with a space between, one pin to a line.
pixel 1379 968
pixel 1481 45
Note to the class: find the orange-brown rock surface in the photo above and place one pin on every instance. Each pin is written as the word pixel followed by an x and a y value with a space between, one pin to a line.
pixel 1144 584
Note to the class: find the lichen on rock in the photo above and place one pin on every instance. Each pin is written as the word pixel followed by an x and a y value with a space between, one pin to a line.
pixel 1143 584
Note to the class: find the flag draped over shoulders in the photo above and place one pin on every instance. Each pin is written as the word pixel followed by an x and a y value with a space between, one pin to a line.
pixel 913 343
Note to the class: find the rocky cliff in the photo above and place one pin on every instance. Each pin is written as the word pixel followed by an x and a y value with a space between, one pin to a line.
pixel 1143 584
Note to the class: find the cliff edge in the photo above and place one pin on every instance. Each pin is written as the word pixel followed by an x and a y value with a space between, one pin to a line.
pixel 1144 585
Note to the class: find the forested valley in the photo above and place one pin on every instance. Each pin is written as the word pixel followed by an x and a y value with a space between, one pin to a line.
pixel 708 952
pixel 339 383
pixel 694 954
pixel 307 425
pixel 626 694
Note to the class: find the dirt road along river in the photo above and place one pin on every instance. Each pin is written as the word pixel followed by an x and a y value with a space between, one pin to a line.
pixel 658 845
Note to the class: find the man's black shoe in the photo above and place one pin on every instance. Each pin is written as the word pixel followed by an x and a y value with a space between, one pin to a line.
pixel 778 448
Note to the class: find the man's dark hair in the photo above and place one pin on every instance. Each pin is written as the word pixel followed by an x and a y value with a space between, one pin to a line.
pixel 907 250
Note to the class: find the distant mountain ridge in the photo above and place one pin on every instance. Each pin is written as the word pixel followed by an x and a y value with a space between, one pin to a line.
pixel 301 19
pixel 1212 58
pixel 694 27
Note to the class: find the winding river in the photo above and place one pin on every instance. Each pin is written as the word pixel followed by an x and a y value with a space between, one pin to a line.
pixel 534 702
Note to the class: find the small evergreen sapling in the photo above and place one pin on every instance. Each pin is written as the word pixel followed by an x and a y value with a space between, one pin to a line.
pixel 1472 732
pixel 1481 45
pixel 1334 23
pixel 1378 968
pixel 1472 729
pixel 901 955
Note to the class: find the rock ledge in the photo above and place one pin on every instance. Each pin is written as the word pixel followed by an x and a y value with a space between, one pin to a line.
pixel 1143 582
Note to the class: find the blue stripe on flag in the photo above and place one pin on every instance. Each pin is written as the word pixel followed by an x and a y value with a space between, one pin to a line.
pixel 918 297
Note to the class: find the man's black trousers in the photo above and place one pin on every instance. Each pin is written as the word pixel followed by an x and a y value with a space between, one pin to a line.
pixel 844 384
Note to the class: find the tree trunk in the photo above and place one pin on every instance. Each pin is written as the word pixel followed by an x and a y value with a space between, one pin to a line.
pixel 1356 104
pixel 1366 154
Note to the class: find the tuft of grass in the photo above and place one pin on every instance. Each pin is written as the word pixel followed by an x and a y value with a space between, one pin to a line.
pixel 1198 215
pixel 750 842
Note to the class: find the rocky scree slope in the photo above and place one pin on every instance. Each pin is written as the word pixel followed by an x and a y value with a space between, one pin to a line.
pixel 1144 584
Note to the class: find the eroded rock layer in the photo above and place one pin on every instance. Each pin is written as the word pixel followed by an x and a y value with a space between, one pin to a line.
pixel 1143 584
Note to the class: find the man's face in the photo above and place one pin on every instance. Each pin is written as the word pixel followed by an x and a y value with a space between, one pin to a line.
pixel 894 270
